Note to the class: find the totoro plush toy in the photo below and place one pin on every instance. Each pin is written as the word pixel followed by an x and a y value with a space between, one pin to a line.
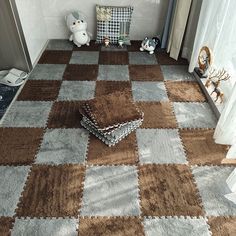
pixel 78 27
pixel 149 44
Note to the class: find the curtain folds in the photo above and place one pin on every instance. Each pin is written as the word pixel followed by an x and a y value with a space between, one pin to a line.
pixel 178 27
pixel 168 21
pixel 217 29
pixel 191 28
pixel 225 132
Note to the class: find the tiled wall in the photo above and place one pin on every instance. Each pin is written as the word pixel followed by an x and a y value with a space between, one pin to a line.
pixel 148 16
pixel 34 28
pixel 45 19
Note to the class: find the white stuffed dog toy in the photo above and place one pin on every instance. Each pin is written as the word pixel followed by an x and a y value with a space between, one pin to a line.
pixel 78 27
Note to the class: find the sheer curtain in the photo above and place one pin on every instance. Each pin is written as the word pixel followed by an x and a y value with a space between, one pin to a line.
pixel 217 29
pixel 225 132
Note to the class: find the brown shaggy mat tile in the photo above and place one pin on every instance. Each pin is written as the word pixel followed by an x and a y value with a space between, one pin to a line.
pixel 123 153
pixel 81 72
pixel 163 58
pixel 201 148
pixel 6 224
pixel 65 114
pixel 135 45
pixel 52 191
pixel 19 145
pixel 145 73
pixel 40 90
pixel 113 58
pixel 92 47
pixel 168 190
pixel 112 109
pixel 112 226
pixel 184 91
pixel 222 226
pixel 106 87
pixel 55 57
pixel 157 115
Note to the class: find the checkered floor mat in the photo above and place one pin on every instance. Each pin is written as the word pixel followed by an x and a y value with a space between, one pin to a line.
pixel 167 178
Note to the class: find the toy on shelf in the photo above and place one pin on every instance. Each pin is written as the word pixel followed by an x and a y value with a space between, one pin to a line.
pixel 123 40
pixel 215 77
pixel 121 43
pixel 150 44
pixel 78 27
pixel 106 42
pixel 205 60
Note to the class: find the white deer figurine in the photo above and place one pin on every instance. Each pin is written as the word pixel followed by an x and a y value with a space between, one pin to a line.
pixel 214 78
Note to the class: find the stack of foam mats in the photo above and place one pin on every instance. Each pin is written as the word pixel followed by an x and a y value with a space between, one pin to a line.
pixel 111 117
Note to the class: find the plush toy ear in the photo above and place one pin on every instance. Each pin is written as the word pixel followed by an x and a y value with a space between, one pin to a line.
pixel 75 14
pixel 157 41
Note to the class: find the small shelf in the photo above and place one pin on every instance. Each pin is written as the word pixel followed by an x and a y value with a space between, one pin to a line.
pixel 217 107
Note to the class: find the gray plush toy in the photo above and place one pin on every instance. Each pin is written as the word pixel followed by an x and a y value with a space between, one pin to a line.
pixel 150 44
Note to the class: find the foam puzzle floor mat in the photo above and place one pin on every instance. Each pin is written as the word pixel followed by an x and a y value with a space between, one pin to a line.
pixel 166 178
pixel 6 96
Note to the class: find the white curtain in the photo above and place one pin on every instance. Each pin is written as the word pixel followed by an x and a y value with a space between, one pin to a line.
pixel 178 27
pixel 225 132
pixel 217 29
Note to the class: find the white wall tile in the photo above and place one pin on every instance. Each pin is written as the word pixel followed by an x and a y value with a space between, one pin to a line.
pixel 45 19
pixel 34 27
pixel 57 28
pixel 148 17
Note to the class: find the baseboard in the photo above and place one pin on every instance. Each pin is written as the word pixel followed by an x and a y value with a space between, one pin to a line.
pixel 215 109
pixel 40 54
pixel 22 86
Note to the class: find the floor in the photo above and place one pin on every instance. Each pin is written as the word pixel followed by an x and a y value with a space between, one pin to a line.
pixel 164 179
pixel 7 94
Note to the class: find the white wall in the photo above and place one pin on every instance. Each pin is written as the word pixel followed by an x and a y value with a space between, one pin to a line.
pixel 34 27
pixel 148 16
pixel 45 19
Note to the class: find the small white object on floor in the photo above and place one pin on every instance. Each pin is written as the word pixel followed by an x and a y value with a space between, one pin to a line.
pixel 231 182
pixel 13 77
pixel 231 197
pixel 231 153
